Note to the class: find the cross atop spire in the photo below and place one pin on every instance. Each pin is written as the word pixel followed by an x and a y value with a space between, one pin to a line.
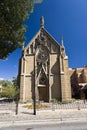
pixel 42 22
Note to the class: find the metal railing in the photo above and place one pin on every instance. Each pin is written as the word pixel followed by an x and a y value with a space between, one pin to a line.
pixel 73 105
pixel 7 108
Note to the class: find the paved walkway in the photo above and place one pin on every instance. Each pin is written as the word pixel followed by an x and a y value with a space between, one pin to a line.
pixel 25 116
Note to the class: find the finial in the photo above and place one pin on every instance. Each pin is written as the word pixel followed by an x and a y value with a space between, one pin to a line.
pixel 23 46
pixel 42 22
pixel 62 41
pixel 62 46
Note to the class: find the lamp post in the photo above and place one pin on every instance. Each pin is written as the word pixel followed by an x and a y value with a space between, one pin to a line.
pixel 17 101
pixel 34 98
pixel 34 101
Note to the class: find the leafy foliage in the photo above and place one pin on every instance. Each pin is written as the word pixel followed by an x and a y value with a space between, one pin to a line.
pixel 9 92
pixel 5 83
pixel 13 13
pixel 14 81
pixel 15 84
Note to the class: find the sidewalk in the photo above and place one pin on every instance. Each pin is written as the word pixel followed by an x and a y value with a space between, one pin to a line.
pixel 25 116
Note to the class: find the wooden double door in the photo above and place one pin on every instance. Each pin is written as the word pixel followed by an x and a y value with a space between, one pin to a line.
pixel 43 94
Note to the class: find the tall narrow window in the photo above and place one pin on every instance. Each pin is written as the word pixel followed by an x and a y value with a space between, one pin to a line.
pixel 31 48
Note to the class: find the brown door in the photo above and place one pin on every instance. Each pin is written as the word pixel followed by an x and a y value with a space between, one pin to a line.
pixel 43 94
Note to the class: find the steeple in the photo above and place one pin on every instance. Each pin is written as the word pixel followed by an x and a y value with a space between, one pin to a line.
pixel 42 22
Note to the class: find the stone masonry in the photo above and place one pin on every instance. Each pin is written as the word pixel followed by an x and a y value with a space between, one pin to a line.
pixel 43 69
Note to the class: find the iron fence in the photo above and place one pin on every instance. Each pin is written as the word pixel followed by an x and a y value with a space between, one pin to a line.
pixel 73 105
pixel 7 108
pixel 10 108
pixel 76 105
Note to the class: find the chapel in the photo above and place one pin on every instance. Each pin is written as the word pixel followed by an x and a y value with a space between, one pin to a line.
pixel 43 69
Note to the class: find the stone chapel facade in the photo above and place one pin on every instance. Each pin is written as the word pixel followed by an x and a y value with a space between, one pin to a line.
pixel 43 69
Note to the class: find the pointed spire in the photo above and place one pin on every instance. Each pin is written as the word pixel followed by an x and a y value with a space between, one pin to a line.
pixel 23 47
pixel 62 41
pixel 62 46
pixel 42 22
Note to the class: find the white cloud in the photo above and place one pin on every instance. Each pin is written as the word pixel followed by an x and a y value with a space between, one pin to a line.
pixel 5 59
pixel 5 79
pixel 1 78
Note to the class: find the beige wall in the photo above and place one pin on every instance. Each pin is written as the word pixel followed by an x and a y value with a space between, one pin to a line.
pixel 55 77
pixel 22 92
pixel 28 87
pixel 67 79
pixel 58 77
pixel 29 64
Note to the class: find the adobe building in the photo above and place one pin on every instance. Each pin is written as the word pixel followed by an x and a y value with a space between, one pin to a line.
pixel 78 81
pixel 43 69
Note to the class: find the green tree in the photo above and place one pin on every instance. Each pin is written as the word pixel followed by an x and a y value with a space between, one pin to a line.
pixel 5 83
pixel 15 84
pixel 9 92
pixel 10 88
pixel 15 81
pixel 13 13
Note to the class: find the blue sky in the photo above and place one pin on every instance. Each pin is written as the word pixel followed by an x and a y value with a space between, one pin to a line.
pixel 62 17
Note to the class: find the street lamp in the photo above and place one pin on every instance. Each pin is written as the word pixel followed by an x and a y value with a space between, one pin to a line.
pixel 34 98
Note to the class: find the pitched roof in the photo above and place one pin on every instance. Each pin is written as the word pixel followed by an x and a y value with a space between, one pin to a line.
pixel 38 33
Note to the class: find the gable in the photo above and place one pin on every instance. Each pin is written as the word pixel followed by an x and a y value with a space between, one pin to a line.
pixel 42 37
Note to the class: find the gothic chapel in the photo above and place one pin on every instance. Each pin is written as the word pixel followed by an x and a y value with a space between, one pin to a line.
pixel 43 67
